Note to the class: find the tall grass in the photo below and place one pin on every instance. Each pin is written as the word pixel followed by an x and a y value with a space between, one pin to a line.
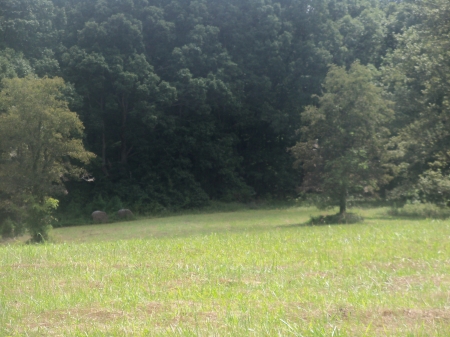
pixel 248 273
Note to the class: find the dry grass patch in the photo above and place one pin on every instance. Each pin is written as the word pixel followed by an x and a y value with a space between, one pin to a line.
pixel 399 283
pixel 54 322
pixel 384 322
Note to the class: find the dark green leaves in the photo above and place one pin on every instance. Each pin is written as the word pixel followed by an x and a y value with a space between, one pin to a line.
pixel 342 152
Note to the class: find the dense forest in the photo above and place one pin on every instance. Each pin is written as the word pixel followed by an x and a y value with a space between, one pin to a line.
pixel 187 101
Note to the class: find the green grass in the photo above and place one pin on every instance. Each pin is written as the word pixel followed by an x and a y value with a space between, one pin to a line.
pixel 246 273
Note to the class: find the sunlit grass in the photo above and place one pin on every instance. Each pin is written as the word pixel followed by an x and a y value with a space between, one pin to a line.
pixel 248 273
pixel 187 225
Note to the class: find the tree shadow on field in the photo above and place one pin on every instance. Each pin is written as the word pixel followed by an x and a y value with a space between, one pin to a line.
pixel 328 220
pixel 397 217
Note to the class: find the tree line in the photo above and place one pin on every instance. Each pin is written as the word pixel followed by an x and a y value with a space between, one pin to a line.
pixel 187 101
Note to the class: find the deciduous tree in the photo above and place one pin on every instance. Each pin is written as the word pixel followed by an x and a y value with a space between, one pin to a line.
pixel 341 151
pixel 417 72
pixel 40 146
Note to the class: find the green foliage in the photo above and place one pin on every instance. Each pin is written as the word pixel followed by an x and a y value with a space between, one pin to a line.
pixel 40 219
pixel 40 148
pixel 98 204
pixel 27 26
pixel 434 187
pixel 10 228
pixel 113 205
pixel 342 152
pixel 417 74
pixel 13 64
pixel 184 102
pixel 204 96
pixel 40 138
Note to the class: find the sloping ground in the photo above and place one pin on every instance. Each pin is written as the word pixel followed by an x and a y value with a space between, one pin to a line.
pixel 255 273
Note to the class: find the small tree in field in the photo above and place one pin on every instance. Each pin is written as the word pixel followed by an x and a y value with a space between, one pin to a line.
pixel 342 142
pixel 40 146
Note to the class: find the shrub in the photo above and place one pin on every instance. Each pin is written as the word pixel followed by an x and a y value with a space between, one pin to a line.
pixel 98 204
pixel 113 205
pixel 40 218
pixel 11 229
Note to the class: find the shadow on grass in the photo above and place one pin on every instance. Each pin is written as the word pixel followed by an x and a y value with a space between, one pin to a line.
pixel 213 207
pixel 397 217
pixel 328 220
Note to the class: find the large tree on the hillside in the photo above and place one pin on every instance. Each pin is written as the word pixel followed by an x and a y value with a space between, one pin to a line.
pixel 40 147
pixel 418 74
pixel 342 147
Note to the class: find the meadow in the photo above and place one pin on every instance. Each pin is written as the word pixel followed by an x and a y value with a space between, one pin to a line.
pixel 245 273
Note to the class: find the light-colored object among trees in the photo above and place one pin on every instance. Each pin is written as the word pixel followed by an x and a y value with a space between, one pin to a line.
pixel 125 213
pixel 99 216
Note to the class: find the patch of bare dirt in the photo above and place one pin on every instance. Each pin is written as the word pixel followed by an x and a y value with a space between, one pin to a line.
pixel 406 320
pixel 152 308
pixel 194 318
pixel 404 263
pixel 86 314
pixel 379 321
pixel 407 282
pixel 46 265
pixel 50 323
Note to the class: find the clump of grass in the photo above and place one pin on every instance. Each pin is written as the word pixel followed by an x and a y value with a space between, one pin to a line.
pixel 424 211
pixel 346 218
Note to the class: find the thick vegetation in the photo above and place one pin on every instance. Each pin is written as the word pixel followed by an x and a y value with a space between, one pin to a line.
pixel 40 138
pixel 188 101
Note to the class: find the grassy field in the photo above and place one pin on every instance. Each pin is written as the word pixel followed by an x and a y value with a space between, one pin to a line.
pixel 246 273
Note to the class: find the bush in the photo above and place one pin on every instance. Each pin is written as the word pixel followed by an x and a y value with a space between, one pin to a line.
pixel 98 204
pixel 113 205
pixel 40 218
pixel 11 229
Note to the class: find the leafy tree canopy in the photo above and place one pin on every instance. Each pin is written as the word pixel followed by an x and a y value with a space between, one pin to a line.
pixel 417 72
pixel 40 143
pixel 342 152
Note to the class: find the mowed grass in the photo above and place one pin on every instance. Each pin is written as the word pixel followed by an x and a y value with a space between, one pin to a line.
pixel 246 273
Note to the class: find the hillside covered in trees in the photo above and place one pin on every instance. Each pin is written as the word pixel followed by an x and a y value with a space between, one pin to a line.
pixel 186 101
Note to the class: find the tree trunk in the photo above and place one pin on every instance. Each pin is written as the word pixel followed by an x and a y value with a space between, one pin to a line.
pixel 343 206
pixel 343 202
pixel 104 169
pixel 124 151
